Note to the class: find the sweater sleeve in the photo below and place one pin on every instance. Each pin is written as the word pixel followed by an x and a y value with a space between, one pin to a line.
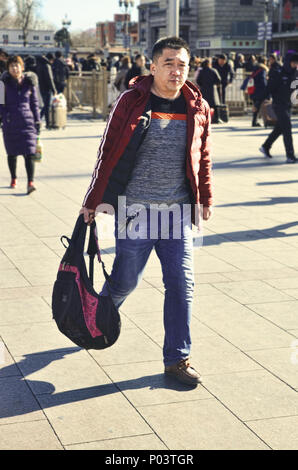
pixel 205 172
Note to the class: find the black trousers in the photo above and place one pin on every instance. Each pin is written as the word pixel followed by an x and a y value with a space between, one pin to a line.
pixel 257 105
pixel 29 165
pixel 46 97
pixel 283 127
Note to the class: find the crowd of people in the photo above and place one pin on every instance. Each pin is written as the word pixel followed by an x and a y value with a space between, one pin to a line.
pixel 30 84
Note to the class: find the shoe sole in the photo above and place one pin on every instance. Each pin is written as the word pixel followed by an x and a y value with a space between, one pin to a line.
pixel 185 381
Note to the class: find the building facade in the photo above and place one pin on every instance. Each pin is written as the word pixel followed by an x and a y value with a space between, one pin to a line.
pixel 10 38
pixel 214 26
pixel 285 26
pixel 113 32
pixel 153 22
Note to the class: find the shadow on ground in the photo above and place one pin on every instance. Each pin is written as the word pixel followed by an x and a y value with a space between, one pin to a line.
pixel 15 401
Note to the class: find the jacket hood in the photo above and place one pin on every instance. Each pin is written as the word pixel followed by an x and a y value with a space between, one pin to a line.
pixel 143 85
pixel 31 77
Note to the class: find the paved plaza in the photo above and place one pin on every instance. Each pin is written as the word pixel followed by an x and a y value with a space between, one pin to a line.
pixel 245 316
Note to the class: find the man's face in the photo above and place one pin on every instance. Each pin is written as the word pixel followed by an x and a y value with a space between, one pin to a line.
pixel 170 70
pixel 294 64
pixel 141 61
pixel 221 62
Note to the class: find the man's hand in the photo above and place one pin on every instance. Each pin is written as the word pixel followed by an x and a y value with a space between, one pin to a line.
pixel 89 215
pixel 207 212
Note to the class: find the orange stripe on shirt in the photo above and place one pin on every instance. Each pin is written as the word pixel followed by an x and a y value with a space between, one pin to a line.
pixel 169 116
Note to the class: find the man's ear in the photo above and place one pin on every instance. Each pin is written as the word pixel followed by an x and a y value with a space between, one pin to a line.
pixel 152 68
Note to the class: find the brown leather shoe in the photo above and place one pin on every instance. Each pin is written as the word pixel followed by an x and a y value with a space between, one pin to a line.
pixel 183 372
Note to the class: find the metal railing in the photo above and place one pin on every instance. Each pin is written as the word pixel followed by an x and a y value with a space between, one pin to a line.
pixel 96 90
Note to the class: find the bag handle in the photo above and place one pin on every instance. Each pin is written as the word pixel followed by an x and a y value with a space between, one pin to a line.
pixel 78 239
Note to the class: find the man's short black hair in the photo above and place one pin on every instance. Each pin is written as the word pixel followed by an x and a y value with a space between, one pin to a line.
pixel 171 42
pixel 222 56
pixel 50 56
pixel 58 54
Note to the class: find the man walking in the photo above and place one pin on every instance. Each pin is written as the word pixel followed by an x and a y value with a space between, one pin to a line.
pixel 226 74
pixel 60 72
pixel 46 84
pixel 279 87
pixel 155 152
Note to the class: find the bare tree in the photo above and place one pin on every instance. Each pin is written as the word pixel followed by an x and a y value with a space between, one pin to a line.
pixel 25 16
pixel 5 17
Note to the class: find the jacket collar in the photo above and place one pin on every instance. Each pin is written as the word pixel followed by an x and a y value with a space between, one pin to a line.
pixel 192 94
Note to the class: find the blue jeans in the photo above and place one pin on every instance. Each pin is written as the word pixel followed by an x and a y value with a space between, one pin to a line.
pixel 176 257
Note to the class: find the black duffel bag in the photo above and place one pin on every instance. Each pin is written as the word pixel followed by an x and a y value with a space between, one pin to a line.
pixel 88 319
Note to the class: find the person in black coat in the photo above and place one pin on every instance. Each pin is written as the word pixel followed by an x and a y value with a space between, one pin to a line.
pixel 137 69
pixel 260 83
pixel 226 74
pixel 60 72
pixel 279 86
pixel 46 84
pixel 208 81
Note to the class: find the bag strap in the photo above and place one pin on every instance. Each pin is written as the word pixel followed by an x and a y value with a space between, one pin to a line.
pixel 253 75
pixel 78 239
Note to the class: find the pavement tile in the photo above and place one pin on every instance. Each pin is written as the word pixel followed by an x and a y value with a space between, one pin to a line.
pixel 146 384
pixel 260 274
pixel 61 370
pixel 39 272
pixel 253 395
pixel 8 368
pixel 17 402
pixel 143 442
pixel 92 414
pixel 132 346
pixel 12 278
pixel 33 435
pixel 177 425
pixel 214 355
pixel 291 292
pixel 251 292
pixel 31 338
pixel 152 325
pixel 20 252
pixel 12 293
pixel 5 263
pixel 28 310
pixel 279 433
pixel 282 314
pixel 284 283
pixel 238 324
pixel 282 362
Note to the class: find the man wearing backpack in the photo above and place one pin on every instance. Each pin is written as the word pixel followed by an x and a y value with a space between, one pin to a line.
pixel 280 88
pixel 60 72
pixel 155 152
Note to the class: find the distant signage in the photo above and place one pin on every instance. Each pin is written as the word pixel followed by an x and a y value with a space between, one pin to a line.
pixel 204 44
pixel 265 30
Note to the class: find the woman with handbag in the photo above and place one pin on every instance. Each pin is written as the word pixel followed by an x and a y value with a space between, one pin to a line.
pixel 20 119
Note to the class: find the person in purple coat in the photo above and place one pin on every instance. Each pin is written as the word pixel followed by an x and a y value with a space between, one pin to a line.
pixel 20 119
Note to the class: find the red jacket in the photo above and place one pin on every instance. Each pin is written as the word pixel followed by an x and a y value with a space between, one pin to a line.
pixel 121 125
